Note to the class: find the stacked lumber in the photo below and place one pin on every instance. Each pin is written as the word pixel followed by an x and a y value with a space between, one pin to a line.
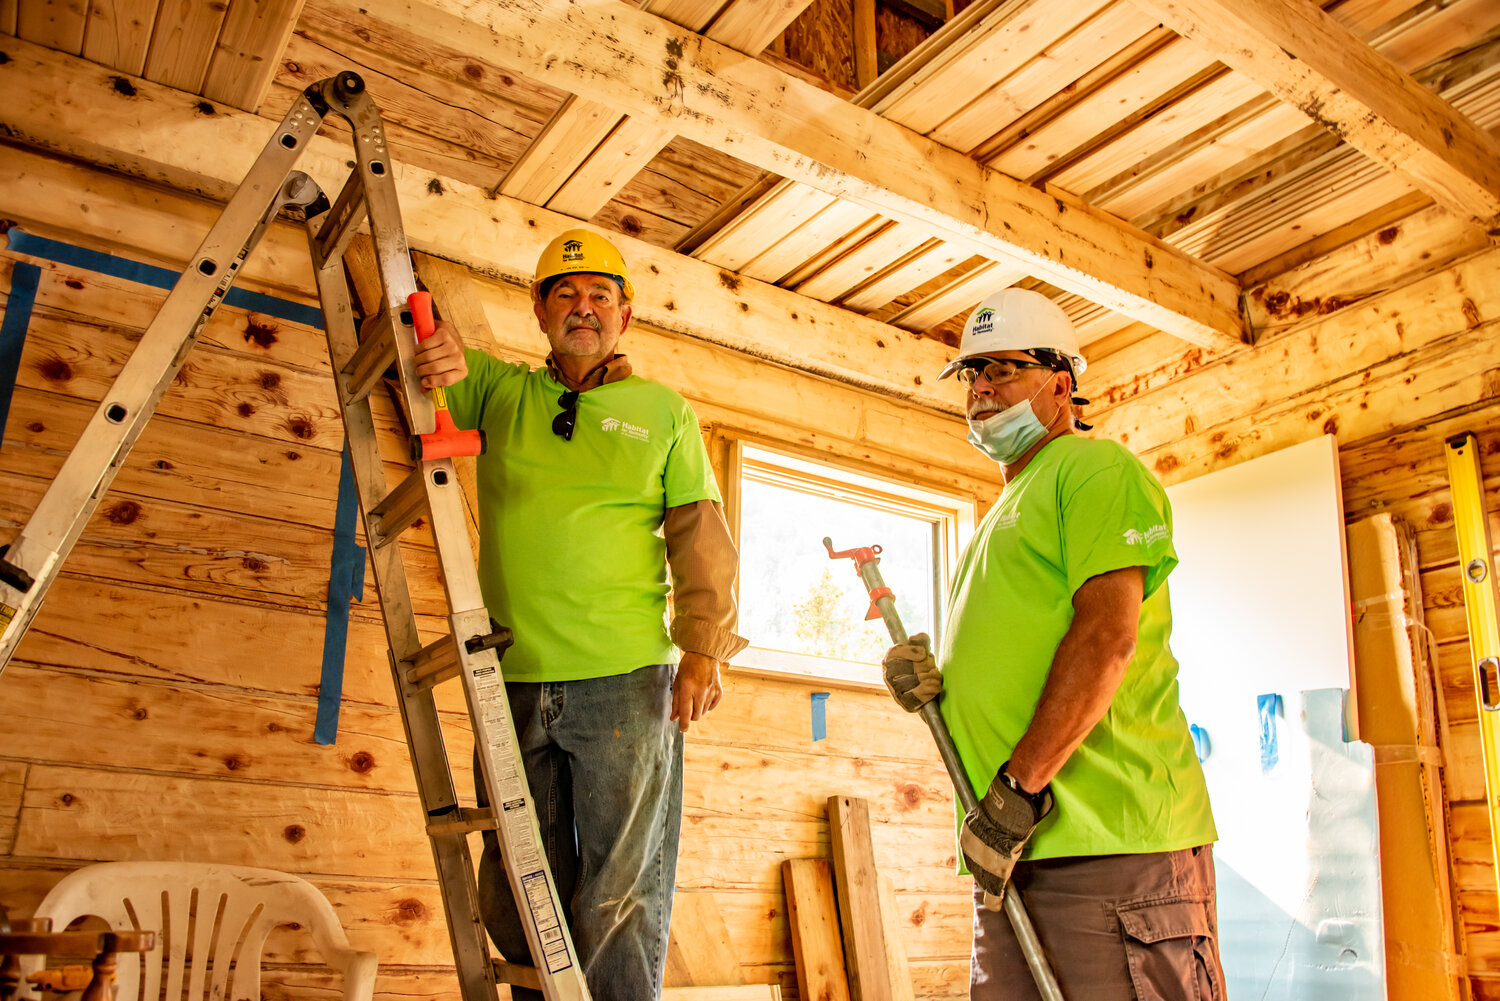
pixel 843 916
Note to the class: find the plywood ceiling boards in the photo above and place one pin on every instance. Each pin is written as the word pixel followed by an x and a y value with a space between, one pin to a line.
pixel 1157 160
pixel 891 242
pixel 799 245
pixel 956 297
pixel 780 124
pixel 1137 87
pixel 1305 57
pixel 1310 189
pixel 249 51
pixel 57 24
pixel 1058 70
pixel 757 229
pixel 119 33
pixel 1012 35
pixel 928 261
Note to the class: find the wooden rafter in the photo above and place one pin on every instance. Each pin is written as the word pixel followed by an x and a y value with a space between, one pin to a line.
pixel 718 97
pixel 1302 55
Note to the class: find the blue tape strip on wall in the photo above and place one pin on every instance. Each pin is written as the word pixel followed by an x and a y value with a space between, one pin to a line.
pixel 819 715
pixel 23 283
pixel 32 245
pixel 346 583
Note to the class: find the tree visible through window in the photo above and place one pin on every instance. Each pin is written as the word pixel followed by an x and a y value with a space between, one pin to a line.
pixel 794 599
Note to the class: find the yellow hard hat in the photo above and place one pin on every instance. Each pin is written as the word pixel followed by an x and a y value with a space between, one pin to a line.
pixel 581 251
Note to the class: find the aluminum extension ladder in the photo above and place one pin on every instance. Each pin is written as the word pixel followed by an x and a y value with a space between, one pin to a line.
pixel 31 563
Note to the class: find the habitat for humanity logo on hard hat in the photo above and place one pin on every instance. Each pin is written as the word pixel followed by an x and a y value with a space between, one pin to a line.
pixel 626 428
pixel 984 321
pixel 572 251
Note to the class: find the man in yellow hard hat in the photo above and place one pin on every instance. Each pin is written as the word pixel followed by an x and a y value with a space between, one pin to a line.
pixel 594 482
pixel 1059 689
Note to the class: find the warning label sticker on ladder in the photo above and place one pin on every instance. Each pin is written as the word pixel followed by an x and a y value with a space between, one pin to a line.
pixel 548 927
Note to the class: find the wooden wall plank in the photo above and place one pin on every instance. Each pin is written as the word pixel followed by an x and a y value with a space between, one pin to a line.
pixel 813 916
pixel 12 787
pixel 209 734
pixel 94 626
pixel 858 885
pixel 76 813
pixel 700 951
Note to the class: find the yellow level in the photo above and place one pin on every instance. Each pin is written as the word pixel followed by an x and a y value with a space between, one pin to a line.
pixel 1476 558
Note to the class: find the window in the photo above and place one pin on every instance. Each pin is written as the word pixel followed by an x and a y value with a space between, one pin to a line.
pixel 805 613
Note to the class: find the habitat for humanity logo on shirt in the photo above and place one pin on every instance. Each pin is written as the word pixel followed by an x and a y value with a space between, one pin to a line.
pixel 626 428
pixel 1153 534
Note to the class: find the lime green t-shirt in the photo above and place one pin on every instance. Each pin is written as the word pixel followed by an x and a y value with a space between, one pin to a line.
pixel 571 555
pixel 1080 508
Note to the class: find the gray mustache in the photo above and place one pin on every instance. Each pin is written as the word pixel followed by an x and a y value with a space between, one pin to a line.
pixel 583 321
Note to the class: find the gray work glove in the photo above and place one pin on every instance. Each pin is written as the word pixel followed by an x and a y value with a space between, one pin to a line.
pixel 911 674
pixel 995 831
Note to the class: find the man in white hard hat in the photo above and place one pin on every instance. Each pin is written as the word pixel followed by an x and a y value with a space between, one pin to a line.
pixel 1060 691
pixel 595 481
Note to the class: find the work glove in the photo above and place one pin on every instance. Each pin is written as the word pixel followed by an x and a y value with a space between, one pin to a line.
pixel 911 674
pixel 997 829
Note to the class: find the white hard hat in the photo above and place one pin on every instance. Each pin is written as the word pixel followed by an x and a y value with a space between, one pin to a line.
pixel 1017 319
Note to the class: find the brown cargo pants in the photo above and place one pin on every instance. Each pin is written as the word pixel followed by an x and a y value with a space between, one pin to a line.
pixel 1115 928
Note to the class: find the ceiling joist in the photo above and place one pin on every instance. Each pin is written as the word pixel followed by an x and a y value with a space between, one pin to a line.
pixel 682 82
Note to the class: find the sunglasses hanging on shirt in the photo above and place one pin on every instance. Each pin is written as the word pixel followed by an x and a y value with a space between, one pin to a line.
pixel 563 423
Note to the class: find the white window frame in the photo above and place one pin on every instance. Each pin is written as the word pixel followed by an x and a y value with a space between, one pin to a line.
pixel 953 515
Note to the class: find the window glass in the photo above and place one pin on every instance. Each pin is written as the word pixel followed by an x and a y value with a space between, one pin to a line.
pixel 795 600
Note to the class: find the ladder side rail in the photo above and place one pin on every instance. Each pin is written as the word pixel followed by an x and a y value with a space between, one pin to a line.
pixel 35 557
pixel 501 770
pixel 419 715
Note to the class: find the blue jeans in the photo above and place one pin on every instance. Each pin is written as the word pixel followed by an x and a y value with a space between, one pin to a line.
pixel 604 763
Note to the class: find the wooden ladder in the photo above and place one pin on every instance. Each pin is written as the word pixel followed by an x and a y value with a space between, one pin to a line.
pixel 470 652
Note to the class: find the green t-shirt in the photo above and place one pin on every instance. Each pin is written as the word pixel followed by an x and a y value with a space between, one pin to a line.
pixel 1080 508
pixel 571 554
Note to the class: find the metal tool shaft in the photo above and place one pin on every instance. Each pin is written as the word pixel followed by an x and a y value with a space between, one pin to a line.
pixel 868 564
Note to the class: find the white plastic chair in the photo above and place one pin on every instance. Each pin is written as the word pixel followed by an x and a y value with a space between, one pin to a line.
pixel 211 923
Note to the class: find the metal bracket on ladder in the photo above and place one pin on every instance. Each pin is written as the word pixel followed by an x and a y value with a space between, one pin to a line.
pixel 470 652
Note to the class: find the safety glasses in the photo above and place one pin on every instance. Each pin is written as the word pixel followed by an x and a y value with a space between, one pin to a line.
pixel 996 371
pixel 563 423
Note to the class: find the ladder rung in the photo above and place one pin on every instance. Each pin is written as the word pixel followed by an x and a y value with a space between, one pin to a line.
pixel 340 225
pixel 372 359
pixel 399 511
pixel 514 973
pixel 464 820
pixel 434 663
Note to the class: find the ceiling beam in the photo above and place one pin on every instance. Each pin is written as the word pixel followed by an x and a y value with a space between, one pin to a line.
pixel 680 81
pixel 154 133
pixel 1309 60
pixel 580 181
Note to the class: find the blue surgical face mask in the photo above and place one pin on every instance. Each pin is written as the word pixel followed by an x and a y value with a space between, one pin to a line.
pixel 1006 436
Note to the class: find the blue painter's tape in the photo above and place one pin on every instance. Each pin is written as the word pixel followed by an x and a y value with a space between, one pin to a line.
pixel 346 582
pixel 1269 707
pixel 149 274
pixel 819 715
pixel 23 283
